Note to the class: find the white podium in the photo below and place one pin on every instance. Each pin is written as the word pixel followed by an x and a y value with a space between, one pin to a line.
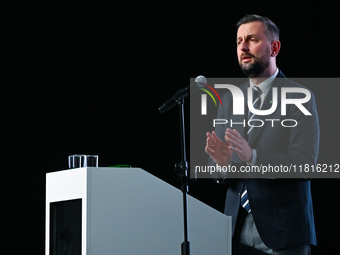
pixel 126 211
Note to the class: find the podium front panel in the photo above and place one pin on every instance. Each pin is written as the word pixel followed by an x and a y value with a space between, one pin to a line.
pixel 130 211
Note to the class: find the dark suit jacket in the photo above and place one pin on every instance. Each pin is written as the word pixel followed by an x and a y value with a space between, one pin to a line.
pixel 282 208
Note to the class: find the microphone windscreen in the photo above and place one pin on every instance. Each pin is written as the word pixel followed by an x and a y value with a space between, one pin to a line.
pixel 199 80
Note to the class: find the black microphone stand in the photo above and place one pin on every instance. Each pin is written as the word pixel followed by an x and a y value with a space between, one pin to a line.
pixel 182 167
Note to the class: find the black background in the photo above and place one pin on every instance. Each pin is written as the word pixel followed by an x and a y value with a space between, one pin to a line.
pixel 88 77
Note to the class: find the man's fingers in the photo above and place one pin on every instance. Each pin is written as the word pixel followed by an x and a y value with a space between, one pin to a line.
pixel 234 136
pixel 210 139
pixel 234 132
pixel 209 148
pixel 237 150
pixel 232 140
pixel 211 136
pixel 216 139
pixel 210 145
pixel 211 152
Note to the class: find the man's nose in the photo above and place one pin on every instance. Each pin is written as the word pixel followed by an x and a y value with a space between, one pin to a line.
pixel 243 46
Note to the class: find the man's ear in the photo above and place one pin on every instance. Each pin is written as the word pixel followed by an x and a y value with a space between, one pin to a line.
pixel 275 48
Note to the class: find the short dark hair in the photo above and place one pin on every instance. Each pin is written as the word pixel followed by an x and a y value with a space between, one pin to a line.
pixel 272 31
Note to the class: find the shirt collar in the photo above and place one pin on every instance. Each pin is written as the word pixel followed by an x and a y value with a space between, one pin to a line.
pixel 266 84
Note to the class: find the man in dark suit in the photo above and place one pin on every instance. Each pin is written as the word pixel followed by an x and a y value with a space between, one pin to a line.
pixel 269 215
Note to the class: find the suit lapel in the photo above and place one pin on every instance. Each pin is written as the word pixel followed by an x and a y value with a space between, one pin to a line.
pixel 240 119
pixel 267 104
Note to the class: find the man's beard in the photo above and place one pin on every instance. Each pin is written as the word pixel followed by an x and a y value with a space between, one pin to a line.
pixel 258 67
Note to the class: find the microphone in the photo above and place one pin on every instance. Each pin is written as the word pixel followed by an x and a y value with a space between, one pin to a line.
pixel 183 93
